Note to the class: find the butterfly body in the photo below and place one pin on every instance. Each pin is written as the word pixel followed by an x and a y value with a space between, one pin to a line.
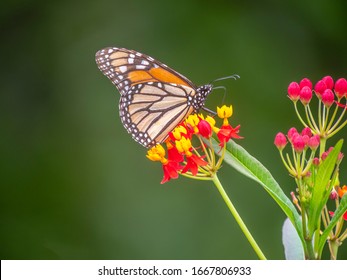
pixel 154 98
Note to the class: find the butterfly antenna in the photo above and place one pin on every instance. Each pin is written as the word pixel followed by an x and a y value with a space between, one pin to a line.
pixel 224 92
pixel 235 76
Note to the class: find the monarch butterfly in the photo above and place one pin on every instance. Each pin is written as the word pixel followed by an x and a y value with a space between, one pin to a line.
pixel 154 98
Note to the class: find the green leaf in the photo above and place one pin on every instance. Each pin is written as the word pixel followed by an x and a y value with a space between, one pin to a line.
pixel 320 193
pixel 291 241
pixel 337 215
pixel 242 161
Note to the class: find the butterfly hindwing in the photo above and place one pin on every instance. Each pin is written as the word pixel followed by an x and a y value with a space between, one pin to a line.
pixel 149 111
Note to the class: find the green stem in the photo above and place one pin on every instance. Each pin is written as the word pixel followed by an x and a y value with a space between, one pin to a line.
pixel 310 119
pixel 330 129
pixel 298 114
pixel 333 117
pixel 334 247
pixel 322 144
pixel 309 251
pixel 238 218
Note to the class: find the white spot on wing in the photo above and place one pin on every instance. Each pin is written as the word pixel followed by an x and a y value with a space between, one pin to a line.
pixel 144 62
pixel 140 67
pixel 123 68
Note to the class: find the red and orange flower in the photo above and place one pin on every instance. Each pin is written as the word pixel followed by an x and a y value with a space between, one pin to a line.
pixel 189 147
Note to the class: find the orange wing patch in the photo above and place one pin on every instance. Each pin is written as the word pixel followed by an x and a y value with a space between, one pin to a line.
pixel 155 75
pixel 165 76
pixel 140 76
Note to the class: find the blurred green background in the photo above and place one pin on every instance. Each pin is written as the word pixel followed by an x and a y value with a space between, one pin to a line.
pixel 74 183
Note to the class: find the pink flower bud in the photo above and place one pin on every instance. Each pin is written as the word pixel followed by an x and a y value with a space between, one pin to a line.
pixel 298 144
pixel 319 88
pixel 341 87
pixel 305 95
pixel 306 131
pixel 333 195
pixel 305 82
pixel 305 138
pixel 328 98
pixel 294 91
pixel 313 142
pixel 324 155
pixel 340 156
pixel 291 132
pixel 280 141
pixel 328 81
pixel 315 161
pixel 205 129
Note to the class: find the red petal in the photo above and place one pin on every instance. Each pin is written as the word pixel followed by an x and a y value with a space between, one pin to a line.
pixel 170 170
pixel 174 155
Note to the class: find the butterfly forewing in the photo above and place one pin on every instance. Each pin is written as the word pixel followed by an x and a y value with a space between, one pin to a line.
pixel 126 67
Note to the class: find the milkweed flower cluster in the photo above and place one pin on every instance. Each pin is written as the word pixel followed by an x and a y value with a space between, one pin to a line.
pixel 183 156
pixel 331 96
pixel 301 144
pixel 307 161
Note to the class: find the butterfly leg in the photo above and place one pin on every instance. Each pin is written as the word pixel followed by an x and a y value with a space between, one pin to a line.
pixel 213 113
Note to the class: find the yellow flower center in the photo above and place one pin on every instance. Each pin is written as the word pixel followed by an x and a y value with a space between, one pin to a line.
pixel 193 121
pixel 184 145
pixel 224 113
pixel 178 131
pixel 157 153
pixel 211 121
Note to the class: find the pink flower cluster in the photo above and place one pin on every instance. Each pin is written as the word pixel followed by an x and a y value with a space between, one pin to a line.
pixel 325 89
pixel 299 141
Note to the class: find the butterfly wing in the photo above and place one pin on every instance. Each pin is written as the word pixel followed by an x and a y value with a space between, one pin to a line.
pixel 149 111
pixel 125 68
pixel 154 97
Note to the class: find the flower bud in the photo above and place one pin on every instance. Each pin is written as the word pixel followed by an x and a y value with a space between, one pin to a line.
pixel 319 88
pixel 340 156
pixel 294 91
pixel 324 155
pixel 291 132
pixel 313 142
pixel 305 95
pixel 305 82
pixel 306 131
pixel 315 161
pixel 328 80
pixel 295 200
pixel 341 87
pixel 280 141
pixel 333 195
pixel 328 98
pixel 205 129
pixel 298 144
pixel 305 138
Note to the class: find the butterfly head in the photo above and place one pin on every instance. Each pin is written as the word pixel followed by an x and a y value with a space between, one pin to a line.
pixel 201 95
